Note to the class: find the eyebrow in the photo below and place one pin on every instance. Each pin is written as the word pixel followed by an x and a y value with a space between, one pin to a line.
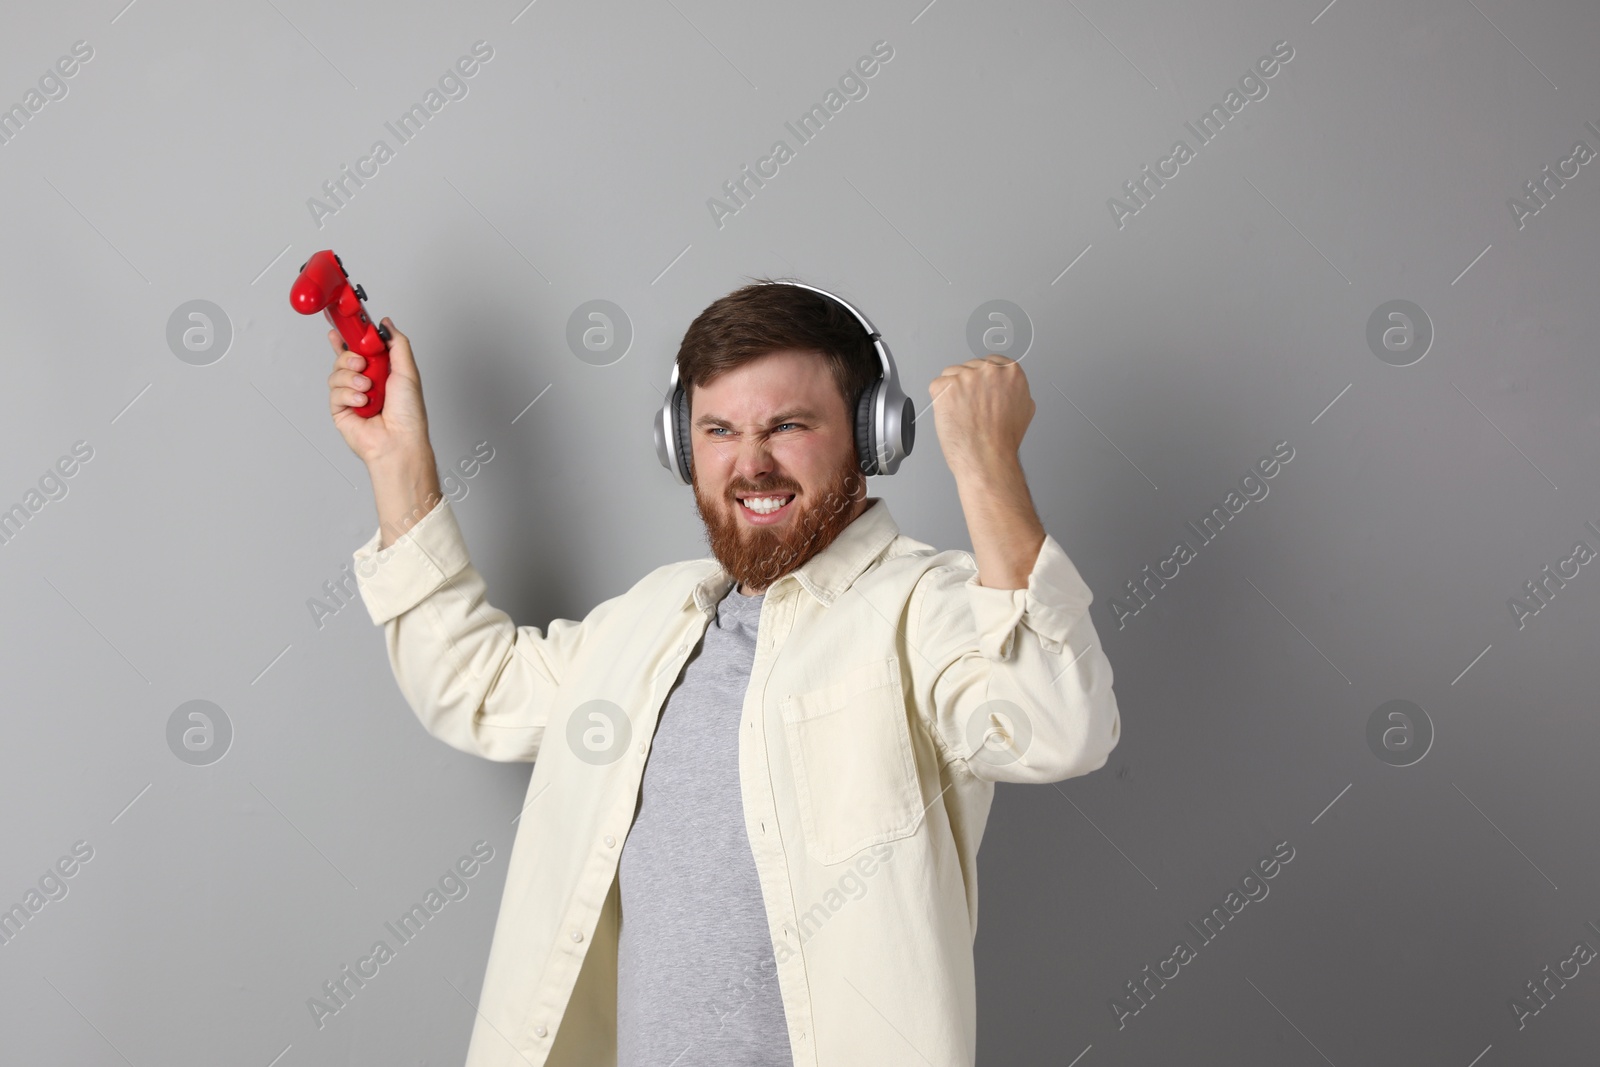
pixel 797 414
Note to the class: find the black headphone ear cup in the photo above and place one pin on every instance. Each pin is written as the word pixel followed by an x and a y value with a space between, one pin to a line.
pixel 680 431
pixel 866 430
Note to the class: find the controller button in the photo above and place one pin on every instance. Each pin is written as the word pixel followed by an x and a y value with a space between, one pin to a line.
pixel 361 294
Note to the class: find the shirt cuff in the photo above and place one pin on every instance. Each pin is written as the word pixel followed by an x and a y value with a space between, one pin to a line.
pixel 394 580
pixel 1055 597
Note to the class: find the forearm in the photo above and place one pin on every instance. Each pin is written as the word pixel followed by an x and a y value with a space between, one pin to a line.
pixel 405 489
pixel 474 679
pixel 1002 522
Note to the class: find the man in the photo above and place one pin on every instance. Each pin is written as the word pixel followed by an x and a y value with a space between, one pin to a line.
pixel 760 780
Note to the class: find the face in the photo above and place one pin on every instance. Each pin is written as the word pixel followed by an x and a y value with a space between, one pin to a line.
pixel 776 428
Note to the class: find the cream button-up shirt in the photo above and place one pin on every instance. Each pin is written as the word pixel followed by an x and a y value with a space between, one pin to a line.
pixel 889 692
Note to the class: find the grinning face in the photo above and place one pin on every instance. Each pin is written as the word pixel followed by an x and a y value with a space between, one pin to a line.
pixel 775 427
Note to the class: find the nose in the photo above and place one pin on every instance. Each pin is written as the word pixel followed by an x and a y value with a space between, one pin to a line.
pixel 753 461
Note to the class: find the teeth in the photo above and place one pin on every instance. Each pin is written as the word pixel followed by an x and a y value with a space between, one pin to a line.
pixel 766 505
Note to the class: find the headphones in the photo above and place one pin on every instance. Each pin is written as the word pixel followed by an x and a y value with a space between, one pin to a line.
pixel 885 420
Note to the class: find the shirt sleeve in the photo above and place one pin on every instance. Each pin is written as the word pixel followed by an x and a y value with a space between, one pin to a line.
pixel 474 679
pixel 1012 683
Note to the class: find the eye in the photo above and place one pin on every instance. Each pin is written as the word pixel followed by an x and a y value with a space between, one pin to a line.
pixel 714 430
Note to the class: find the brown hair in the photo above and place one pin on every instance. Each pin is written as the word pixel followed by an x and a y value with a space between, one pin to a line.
pixel 762 318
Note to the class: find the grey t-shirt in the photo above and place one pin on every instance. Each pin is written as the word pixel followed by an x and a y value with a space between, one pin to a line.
pixel 697 982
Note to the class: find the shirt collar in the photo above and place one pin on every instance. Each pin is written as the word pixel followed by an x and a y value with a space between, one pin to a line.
pixel 828 574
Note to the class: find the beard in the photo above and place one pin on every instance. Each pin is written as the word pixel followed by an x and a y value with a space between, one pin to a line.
pixel 757 556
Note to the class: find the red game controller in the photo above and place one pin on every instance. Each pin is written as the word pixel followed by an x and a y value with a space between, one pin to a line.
pixel 324 286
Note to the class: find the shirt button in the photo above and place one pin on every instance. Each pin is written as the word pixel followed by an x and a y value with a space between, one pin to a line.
pixel 641 748
pixel 611 842
pixel 538 1031
pixel 577 935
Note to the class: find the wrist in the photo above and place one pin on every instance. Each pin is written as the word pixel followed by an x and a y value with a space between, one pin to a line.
pixel 406 490
pixel 403 461
pixel 988 470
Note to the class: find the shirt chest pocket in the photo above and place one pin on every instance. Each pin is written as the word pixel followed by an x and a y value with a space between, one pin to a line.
pixel 854 773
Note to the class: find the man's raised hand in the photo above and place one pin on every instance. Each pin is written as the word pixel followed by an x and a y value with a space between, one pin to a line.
pixel 401 428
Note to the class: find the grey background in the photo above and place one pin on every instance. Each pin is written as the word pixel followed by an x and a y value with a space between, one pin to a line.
pixel 1228 315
